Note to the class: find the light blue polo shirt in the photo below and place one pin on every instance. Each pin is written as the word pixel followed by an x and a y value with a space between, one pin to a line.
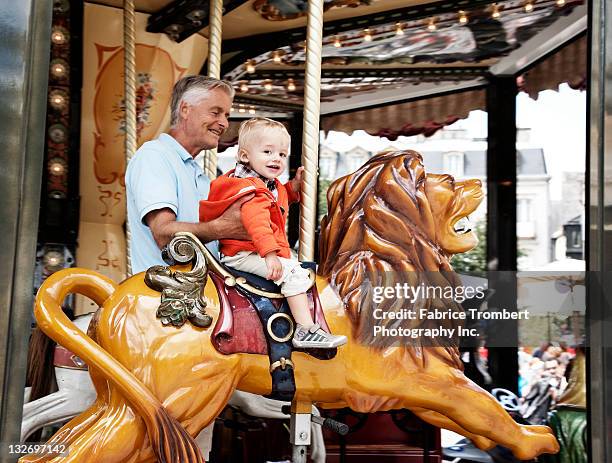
pixel 161 174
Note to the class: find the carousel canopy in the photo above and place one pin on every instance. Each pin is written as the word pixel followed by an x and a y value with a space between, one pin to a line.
pixel 384 60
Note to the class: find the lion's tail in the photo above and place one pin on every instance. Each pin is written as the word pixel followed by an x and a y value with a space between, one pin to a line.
pixel 170 441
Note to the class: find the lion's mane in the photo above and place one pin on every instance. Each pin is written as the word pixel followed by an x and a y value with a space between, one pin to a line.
pixel 380 231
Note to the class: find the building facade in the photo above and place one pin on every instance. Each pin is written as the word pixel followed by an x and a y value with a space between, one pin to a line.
pixel 452 151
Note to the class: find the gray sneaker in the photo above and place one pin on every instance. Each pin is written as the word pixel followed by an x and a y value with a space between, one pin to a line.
pixel 314 337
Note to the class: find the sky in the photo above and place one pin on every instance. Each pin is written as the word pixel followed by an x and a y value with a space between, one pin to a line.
pixel 558 125
pixel 557 120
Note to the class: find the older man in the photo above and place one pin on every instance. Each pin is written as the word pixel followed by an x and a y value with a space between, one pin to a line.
pixel 164 183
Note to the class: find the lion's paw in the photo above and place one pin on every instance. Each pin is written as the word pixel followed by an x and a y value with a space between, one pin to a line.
pixel 536 441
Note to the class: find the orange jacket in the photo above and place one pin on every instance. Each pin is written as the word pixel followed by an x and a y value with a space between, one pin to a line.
pixel 263 216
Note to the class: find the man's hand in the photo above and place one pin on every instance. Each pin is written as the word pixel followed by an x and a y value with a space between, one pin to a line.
pixel 229 224
pixel 296 182
pixel 275 268
pixel 163 225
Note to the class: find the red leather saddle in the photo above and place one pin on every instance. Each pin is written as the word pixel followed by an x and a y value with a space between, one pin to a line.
pixel 239 329
pixel 63 358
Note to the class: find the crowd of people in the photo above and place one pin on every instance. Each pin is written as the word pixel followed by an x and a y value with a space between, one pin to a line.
pixel 542 379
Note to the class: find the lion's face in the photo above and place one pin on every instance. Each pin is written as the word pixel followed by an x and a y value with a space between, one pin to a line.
pixel 451 203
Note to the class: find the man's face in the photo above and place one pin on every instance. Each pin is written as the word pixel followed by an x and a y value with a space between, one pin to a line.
pixel 267 153
pixel 205 121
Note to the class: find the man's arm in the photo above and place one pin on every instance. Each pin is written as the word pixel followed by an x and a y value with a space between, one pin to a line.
pixel 164 226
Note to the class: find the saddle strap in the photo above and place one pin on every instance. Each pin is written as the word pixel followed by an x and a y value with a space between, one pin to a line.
pixel 278 327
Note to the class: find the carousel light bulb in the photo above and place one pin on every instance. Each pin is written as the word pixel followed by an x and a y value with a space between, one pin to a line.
pixel 56 168
pixel 398 29
pixel 250 66
pixel 268 85
pixel 367 35
pixel 431 25
pixel 560 2
pixel 463 19
pixel 58 37
pixel 58 70
pixel 57 100
pixel 528 7
pixel 276 57
pixel 244 87
pixel 251 110
pixel 53 260
pixel 337 42
pixel 290 85
pixel 496 13
pixel 241 110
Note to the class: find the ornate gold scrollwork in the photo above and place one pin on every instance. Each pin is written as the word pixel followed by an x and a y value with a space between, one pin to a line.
pixel 181 292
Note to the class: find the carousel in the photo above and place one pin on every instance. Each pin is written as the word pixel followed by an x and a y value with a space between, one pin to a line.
pixel 193 361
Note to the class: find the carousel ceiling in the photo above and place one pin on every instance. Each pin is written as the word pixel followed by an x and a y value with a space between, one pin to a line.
pixel 374 51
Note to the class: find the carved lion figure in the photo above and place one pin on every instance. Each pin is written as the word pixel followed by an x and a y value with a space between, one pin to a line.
pixel 389 224
pixel 159 385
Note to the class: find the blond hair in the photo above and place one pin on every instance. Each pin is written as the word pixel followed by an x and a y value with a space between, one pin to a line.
pixel 249 129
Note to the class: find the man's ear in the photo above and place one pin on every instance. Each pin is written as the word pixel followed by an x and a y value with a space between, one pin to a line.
pixel 183 110
pixel 243 156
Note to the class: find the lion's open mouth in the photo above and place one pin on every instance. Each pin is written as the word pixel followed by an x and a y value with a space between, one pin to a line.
pixel 462 226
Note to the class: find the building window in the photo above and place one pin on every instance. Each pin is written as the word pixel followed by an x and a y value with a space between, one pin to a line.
pixel 523 210
pixel 453 164
pixel 327 167
pixel 355 162
pixel 525 226
pixel 575 240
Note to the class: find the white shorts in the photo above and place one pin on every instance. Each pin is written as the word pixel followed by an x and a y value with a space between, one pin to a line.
pixel 294 280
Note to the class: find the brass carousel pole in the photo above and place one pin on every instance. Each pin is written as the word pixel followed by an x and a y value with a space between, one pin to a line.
pixel 301 410
pixel 214 69
pixel 129 45
pixel 310 144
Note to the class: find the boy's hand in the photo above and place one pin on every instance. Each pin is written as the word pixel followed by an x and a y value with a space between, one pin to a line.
pixel 296 182
pixel 275 268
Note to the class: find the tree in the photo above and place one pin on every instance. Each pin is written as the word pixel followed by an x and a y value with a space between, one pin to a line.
pixel 473 262
pixel 322 197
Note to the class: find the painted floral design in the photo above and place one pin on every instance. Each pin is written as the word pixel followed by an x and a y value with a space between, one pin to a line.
pixel 145 93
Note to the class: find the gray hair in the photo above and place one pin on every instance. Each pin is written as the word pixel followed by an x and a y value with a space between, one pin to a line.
pixel 192 89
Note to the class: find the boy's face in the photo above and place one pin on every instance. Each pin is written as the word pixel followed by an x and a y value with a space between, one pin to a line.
pixel 267 153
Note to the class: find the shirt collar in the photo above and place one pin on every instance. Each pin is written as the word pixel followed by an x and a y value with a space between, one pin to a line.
pixel 180 149
pixel 244 171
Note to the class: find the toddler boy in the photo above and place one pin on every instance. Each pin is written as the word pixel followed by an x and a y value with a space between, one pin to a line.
pixel 263 148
